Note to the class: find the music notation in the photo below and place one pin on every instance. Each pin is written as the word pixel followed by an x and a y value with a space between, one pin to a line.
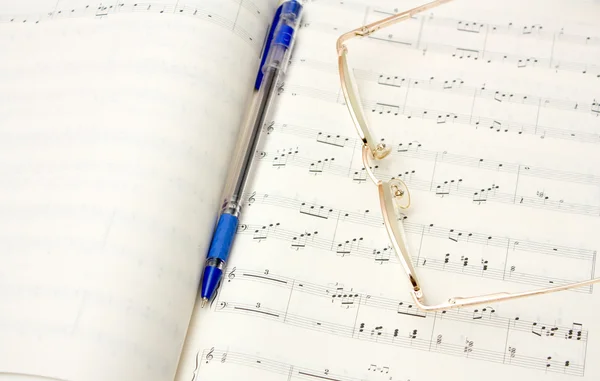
pixel 516 176
pixel 101 11
pixel 373 218
pixel 480 254
pixel 472 26
pixel 415 150
pixel 471 41
pixel 209 357
pixel 385 321
pixel 515 30
pixel 479 122
pixel 480 226
pixel 458 87
pixel 312 259
pixel 502 269
pixel 464 187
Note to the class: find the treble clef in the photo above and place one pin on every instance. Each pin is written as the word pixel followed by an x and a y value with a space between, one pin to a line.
pixel 231 275
pixel 209 355
pixel 270 127
pixel 252 198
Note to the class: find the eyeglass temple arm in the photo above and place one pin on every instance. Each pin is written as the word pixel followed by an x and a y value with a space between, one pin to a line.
pixel 396 234
pixel 497 297
pixel 386 197
pixel 399 242
pixel 368 29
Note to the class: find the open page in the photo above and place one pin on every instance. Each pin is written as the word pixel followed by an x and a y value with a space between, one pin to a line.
pixel 116 123
pixel 492 112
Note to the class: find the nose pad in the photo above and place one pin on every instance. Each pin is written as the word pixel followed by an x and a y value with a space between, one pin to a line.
pixel 400 193
pixel 381 151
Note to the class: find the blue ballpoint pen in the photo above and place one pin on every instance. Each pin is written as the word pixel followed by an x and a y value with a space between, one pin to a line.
pixel 274 62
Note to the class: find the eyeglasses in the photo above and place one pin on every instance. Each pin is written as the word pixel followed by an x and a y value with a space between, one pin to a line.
pixel 393 194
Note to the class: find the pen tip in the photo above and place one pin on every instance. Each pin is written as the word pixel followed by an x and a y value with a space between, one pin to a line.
pixel 203 302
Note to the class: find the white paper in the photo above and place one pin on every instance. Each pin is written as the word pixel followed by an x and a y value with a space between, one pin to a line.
pixel 501 158
pixel 116 124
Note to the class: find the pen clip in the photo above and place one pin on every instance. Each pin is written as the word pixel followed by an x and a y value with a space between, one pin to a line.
pixel 285 22
pixel 267 46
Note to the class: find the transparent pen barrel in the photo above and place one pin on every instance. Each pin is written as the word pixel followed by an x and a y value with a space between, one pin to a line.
pixel 247 143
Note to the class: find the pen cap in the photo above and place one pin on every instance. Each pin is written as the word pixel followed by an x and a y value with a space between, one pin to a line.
pixel 284 35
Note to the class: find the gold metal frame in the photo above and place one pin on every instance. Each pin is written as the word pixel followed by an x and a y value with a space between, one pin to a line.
pixel 394 194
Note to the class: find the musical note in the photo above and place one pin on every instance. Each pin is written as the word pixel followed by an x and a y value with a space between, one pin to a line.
pixel 269 366
pixel 420 336
pixel 300 241
pixel 347 299
pixel 530 29
pixel 541 330
pixel 468 348
pixel 493 269
pixel 348 246
pixel 479 313
pixel 521 63
pixel 102 10
pixel 439 340
pixel 281 159
pixel 410 310
pixel 383 108
pixel 575 332
pixel 453 136
pixel 481 196
pixel 469 27
pixel 447 186
pixel 360 176
pixel 408 147
pixel 391 81
pixel 262 233
pixel 315 211
pixel 380 369
pixel 443 118
pixel 442 189
pixel 466 53
pixel 383 255
pixel 464 260
pixel 320 165
pixel 484 264
pixel 334 140
pixel 508 124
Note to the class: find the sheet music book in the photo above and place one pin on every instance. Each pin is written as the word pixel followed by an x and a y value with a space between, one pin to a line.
pixel 117 120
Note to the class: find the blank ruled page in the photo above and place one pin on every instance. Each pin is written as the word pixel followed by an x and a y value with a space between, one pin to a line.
pixel 116 122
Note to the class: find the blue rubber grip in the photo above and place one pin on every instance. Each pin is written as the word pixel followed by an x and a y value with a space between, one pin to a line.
pixel 223 237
